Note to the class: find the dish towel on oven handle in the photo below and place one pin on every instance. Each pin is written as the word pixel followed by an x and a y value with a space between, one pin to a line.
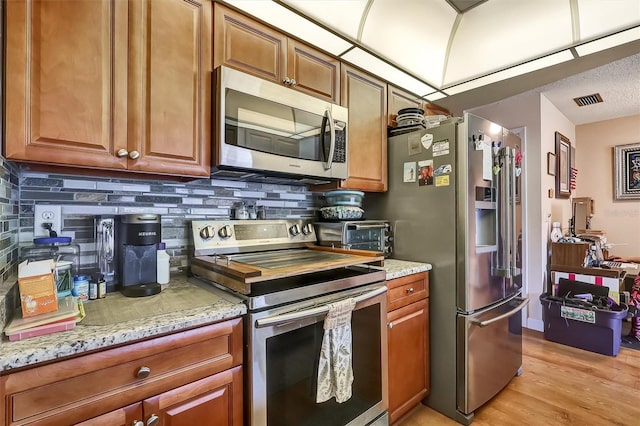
pixel 335 373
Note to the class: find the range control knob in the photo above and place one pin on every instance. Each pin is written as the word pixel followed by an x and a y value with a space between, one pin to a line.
pixel 225 232
pixel 307 228
pixel 388 238
pixel 207 232
pixel 294 229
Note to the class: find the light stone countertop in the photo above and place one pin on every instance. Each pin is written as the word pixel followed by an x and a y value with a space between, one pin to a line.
pixel 83 338
pixel 399 268
pixel 21 353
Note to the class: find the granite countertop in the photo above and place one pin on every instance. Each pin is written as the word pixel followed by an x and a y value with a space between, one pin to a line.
pixel 399 268
pixel 219 306
pixel 96 331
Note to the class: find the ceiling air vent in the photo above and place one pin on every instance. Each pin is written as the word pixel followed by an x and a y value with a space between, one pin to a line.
pixel 588 100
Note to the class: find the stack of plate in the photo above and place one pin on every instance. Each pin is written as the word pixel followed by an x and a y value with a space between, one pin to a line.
pixel 411 117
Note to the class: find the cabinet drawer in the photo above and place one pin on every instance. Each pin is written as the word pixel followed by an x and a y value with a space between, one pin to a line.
pixel 82 387
pixel 406 290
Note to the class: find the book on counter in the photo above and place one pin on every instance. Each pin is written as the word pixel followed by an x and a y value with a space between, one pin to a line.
pixel 69 312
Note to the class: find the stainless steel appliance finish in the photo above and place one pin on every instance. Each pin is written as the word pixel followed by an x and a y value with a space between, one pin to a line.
pixel 268 128
pixel 465 220
pixel 362 235
pixel 287 289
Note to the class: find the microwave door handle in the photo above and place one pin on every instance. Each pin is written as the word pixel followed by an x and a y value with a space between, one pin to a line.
pixel 311 312
pixel 332 145
pixel 358 227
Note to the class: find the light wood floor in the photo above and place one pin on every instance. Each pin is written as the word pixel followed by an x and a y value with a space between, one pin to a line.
pixel 560 385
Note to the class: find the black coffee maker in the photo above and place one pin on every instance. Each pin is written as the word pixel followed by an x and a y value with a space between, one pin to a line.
pixel 136 239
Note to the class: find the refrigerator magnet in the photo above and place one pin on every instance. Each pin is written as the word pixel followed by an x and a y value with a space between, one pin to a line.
pixel 441 148
pixel 413 144
pixel 442 180
pixel 425 172
pixel 426 140
pixel 409 174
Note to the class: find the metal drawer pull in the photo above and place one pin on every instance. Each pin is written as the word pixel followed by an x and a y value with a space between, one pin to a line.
pixel 293 316
pixel 390 325
pixel 134 155
pixel 137 423
pixel 410 290
pixel 518 308
pixel 153 420
pixel 143 372
pixel 122 153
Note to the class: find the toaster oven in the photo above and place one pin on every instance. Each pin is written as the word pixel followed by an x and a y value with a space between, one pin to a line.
pixel 375 235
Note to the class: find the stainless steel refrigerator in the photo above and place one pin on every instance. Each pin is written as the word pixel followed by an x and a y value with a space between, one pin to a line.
pixel 453 201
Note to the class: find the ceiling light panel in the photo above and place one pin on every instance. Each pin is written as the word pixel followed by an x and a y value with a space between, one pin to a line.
pixel 414 34
pixel 598 18
pixel 501 33
pixel 382 69
pixel 290 22
pixel 608 42
pixel 343 16
pixel 528 67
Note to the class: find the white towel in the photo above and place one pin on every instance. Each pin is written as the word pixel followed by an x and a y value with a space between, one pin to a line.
pixel 335 374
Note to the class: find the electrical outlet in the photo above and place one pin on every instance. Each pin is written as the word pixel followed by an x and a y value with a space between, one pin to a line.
pixel 45 213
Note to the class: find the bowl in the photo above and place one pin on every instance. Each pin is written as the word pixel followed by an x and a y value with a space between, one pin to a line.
pixel 344 198
pixel 341 212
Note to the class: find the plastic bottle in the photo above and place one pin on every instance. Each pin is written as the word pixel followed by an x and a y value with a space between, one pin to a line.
pixel 162 273
pixel 81 287
pixel 556 232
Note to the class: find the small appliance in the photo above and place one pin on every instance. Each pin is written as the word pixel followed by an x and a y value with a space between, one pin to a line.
pixel 269 129
pixel 136 240
pixel 372 235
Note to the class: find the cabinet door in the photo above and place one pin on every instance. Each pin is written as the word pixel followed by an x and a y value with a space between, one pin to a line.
pixel 399 99
pixel 366 98
pixel 249 46
pixel 126 416
pixel 213 401
pixel 408 340
pixel 66 64
pixel 170 87
pixel 314 72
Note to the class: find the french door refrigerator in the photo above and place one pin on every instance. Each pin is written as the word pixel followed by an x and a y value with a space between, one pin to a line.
pixel 453 202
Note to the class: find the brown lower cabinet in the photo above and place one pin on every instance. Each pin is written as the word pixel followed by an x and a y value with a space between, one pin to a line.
pixel 190 377
pixel 408 340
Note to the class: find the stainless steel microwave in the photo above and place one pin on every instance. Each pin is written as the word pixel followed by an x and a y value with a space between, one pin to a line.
pixel 271 129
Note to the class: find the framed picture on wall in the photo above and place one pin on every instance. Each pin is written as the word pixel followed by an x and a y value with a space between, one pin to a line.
pixel 551 163
pixel 626 159
pixel 563 166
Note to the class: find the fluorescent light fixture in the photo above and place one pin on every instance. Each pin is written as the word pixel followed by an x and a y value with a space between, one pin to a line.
pixel 525 68
pixel 293 24
pixel 432 97
pixel 388 72
pixel 609 41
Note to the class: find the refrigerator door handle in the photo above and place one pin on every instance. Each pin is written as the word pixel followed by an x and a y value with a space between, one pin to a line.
pixel 523 302
pixel 505 217
pixel 515 271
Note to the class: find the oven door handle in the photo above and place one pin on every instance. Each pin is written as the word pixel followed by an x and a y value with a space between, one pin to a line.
pixel 357 227
pixel 311 312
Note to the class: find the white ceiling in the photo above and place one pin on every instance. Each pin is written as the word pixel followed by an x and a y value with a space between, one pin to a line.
pixel 451 51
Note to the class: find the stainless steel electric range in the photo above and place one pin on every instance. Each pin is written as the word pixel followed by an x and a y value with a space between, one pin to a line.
pixel 287 282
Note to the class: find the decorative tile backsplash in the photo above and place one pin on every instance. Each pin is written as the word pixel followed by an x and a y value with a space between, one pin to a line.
pixel 9 217
pixel 83 197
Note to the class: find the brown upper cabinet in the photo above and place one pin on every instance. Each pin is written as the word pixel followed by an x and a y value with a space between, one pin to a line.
pixel 400 99
pixel 366 98
pixel 247 45
pixel 110 85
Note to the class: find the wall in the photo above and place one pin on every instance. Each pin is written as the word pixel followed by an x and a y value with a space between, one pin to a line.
pixel 9 216
pixel 619 219
pixel 83 197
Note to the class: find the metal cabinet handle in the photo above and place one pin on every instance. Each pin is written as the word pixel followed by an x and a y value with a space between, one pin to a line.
pixel 137 423
pixel 293 82
pixel 410 290
pixel 143 372
pixel 134 155
pixel 287 81
pixel 122 153
pixel 390 325
pixel 153 420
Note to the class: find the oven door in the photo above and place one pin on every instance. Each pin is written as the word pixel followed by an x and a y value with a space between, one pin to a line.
pixel 283 355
